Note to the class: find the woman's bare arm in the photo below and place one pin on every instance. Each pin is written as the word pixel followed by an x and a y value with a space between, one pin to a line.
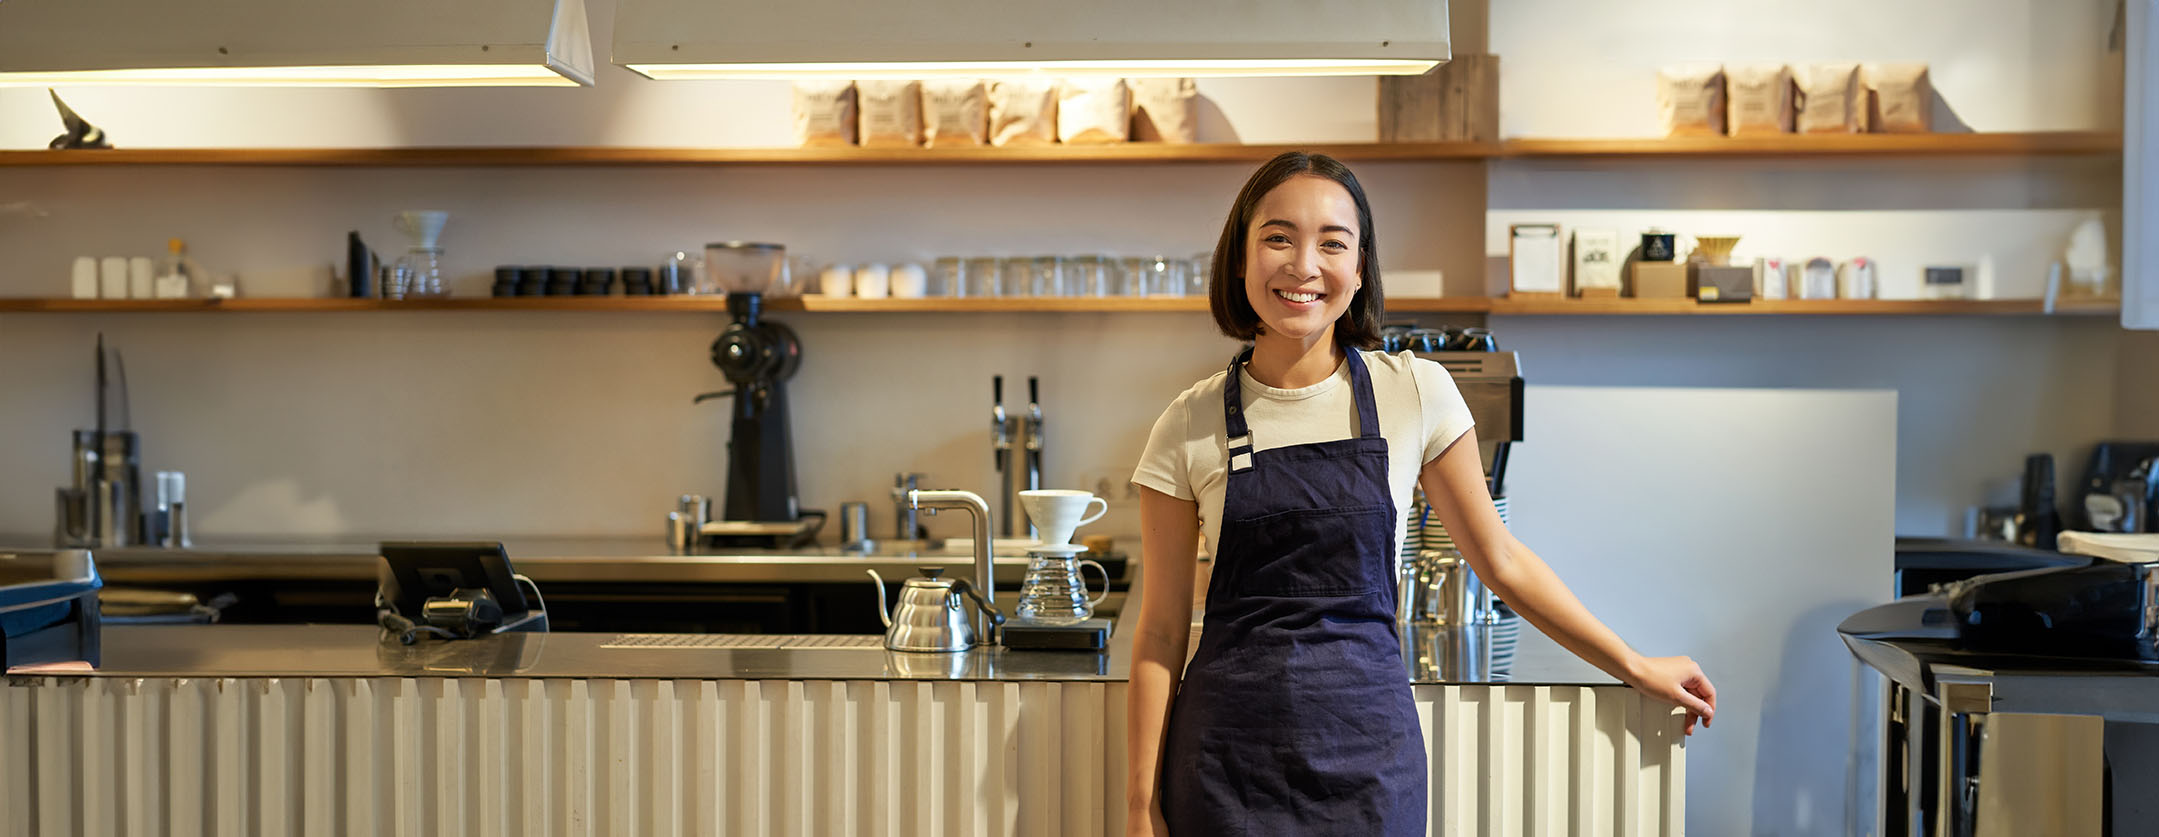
pixel 1454 483
pixel 1169 553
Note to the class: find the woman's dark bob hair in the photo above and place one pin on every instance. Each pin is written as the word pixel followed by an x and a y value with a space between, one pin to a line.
pixel 1359 326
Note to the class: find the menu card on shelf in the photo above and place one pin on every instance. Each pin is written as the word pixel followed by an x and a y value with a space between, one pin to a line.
pixel 1534 259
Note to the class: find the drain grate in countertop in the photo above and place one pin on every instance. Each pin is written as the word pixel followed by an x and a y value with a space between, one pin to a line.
pixel 759 641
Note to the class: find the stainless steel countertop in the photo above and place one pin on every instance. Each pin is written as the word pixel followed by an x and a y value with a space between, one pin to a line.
pixel 358 651
pixel 625 560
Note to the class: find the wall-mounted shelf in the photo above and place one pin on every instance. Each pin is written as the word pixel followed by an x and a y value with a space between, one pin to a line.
pixel 541 156
pixel 1814 307
pixel 1827 145
pixel 1788 145
pixel 716 305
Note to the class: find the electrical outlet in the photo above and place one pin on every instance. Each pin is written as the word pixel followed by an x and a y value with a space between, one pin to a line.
pixel 1116 488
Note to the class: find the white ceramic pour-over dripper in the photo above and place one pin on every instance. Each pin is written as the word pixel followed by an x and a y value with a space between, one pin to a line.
pixel 1055 513
pixel 424 226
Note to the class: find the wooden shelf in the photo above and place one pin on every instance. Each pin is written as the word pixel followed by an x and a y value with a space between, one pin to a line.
pixel 1789 145
pixel 1826 145
pixel 1816 307
pixel 542 156
pixel 718 305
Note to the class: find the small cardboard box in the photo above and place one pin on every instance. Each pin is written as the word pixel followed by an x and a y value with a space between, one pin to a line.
pixel 1723 284
pixel 1660 280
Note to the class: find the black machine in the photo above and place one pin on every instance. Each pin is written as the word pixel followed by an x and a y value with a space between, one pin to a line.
pixel 2120 492
pixel 758 356
pixel 2082 620
pixel 454 591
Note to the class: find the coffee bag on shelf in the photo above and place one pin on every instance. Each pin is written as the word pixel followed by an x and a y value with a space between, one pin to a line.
pixel 1165 110
pixel 955 112
pixel 1900 98
pixel 891 112
pixel 1690 100
pixel 1830 99
pixel 1761 99
pixel 1094 111
pixel 824 113
pixel 1023 112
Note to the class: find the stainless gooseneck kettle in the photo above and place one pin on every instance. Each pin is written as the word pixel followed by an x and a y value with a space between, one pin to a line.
pixel 933 614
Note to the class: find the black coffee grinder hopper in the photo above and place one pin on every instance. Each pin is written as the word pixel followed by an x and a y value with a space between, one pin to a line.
pixel 758 356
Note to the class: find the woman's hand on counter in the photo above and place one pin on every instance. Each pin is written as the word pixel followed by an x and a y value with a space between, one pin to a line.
pixel 1677 680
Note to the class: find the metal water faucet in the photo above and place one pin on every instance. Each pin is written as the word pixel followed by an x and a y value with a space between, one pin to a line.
pixel 985 575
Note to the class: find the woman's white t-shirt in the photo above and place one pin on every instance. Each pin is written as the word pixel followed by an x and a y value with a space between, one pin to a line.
pixel 1421 413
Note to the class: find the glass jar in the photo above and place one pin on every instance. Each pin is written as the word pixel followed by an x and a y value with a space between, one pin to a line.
pixel 981 277
pixel 1015 276
pixel 1196 270
pixel 1087 276
pixel 1047 277
pixel 418 276
pixel 949 277
pixel 1135 276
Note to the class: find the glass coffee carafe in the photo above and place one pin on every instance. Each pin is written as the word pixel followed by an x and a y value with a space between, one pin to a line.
pixel 1054 592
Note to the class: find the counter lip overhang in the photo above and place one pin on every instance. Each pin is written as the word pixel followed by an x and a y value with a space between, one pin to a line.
pixel 356 652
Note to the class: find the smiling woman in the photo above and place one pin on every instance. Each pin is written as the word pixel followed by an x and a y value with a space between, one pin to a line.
pixel 1292 467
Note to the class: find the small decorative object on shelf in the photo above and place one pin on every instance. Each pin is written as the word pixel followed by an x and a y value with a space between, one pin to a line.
pixel 1534 260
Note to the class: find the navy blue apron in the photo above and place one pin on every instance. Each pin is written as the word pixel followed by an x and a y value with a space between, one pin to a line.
pixel 1294 717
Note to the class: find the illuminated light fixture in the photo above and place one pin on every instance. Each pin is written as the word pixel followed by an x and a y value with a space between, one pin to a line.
pixel 802 39
pixel 294 43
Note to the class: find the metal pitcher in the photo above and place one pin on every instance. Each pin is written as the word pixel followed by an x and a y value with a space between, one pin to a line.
pixel 1438 588
pixel 933 614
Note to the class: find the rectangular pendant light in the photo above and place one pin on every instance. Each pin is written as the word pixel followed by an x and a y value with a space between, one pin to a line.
pixel 711 39
pixel 294 43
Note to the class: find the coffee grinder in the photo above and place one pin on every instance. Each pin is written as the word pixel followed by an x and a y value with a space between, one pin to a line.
pixel 757 356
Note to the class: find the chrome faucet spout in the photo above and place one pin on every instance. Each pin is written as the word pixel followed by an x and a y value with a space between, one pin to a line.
pixel 979 509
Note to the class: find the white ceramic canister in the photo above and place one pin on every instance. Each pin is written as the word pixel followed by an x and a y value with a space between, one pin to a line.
pixel 910 281
pixel 836 281
pixel 873 281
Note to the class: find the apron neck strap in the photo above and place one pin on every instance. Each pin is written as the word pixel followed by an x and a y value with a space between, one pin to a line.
pixel 1240 434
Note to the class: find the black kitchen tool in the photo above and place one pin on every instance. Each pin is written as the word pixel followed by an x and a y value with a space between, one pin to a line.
pixel 2042 520
pixel 758 356
pixel 360 264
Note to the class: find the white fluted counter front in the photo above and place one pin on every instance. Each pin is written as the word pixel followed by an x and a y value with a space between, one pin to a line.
pixel 321 730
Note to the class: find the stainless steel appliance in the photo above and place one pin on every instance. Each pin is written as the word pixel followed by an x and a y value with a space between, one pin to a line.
pixel 104 505
pixel 1438 589
pixel 1016 434
pixel 1491 383
pixel 1436 584
pixel 934 614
